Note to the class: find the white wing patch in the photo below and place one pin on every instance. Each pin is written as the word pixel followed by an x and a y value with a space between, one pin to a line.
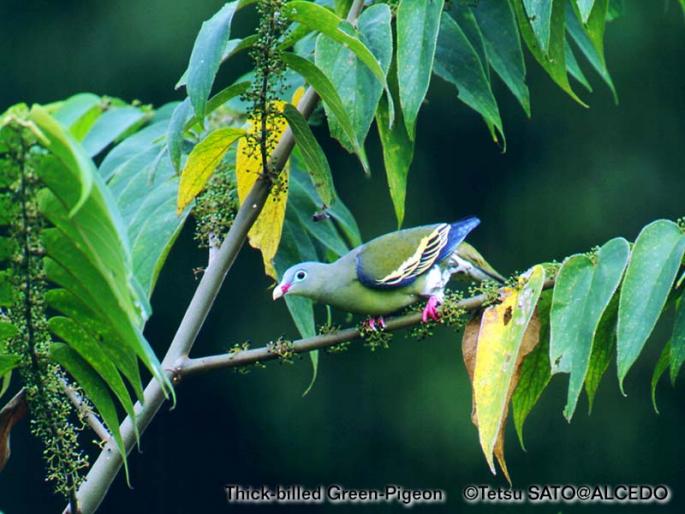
pixel 423 258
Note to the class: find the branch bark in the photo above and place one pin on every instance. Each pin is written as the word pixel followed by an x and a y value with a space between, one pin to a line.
pixel 109 462
pixel 196 366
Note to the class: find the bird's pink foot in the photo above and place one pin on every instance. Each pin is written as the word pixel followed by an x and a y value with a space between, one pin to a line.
pixel 431 310
pixel 373 323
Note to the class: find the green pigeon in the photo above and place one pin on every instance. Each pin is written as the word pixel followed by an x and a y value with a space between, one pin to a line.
pixel 392 271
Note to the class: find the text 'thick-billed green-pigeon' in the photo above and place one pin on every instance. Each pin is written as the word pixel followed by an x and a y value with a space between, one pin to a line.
pixel 392 271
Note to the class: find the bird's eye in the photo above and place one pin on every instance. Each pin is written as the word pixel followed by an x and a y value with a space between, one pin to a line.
pixel 300 275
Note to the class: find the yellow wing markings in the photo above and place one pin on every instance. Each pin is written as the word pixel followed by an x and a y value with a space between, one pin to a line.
pixel 422 259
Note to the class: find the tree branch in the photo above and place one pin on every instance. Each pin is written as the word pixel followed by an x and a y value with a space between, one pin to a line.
pixel 190 367
pixel 86 412
pixel 109 462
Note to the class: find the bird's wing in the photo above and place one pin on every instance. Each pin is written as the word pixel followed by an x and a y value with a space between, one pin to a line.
pixel 397 259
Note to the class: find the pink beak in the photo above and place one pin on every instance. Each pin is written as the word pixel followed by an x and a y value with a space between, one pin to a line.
pixel 280 290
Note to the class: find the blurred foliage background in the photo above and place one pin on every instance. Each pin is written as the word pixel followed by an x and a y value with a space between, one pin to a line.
pixel 571 178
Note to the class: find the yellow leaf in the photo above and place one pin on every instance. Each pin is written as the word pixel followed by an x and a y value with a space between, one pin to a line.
pixel 202 162
pixel 507 332
pixel 265 234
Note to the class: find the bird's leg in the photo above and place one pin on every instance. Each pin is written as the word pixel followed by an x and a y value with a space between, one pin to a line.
pixel 431 311
pixel 371 323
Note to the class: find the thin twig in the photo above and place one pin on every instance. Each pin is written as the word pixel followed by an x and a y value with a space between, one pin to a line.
pixel 86 412
pixel 105 468
pixel 190 367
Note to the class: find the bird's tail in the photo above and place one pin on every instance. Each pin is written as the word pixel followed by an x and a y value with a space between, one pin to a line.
pixel 466 260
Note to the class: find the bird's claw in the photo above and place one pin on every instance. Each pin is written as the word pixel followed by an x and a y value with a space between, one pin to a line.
pixel 431 310
pixel 373 323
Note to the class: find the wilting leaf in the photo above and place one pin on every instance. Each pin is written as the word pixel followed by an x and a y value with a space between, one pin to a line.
pixel 497 23
pixel 583 289
pixel 535 373
pixel 654 263
pixel 10 415
pixel 457 62
pixel 265 234
pixel 418 24
pixel 206 56
pixel 502 344
pixel 553 61
pixel 314 159
pixel 202 161
pixel 357 86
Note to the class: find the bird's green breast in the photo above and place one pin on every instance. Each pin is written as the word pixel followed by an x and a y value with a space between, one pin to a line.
pixel 344 291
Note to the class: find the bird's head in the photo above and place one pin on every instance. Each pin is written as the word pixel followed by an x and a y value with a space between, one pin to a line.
pixel 304 279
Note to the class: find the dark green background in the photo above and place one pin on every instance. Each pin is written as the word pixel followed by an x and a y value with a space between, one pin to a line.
pixel 571 178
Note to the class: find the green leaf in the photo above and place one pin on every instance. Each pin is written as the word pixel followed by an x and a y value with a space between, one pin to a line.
pixel 539 14
pixel 677 356
pixel 314 159
pixel 585 8
pixel 535 371
pixel 603 348
pixel 70 305
pixel 202 162
pixel 590 40
pixel 109 127
pixel 457 62
pixel 497 23
pixel 7 330
pixel 654 263
pixel 6 289
pixel 92 353
pixel 65 148
pixel 130 147
pixel 321 19
pixel 326 90
pixel 233 46
pixel 8 362
pixel 659 370
pixel 574 69
pixel 583 289
pixel 302 199
pixel 206 56
pixel 553 61
pixel 78 113
pixel 220 99
pixel 95 390
pixel 359 90
pixel 180 117
pixel 398 153
pixel 296 246
pixel 417 32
